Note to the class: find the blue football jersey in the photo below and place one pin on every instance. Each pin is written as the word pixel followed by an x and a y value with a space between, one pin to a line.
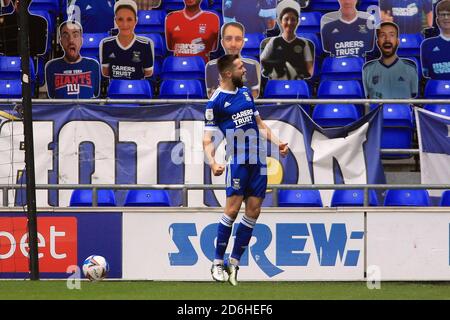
pixel 407 14
pixel 253 14
pixel 80 80
pixel 341 38
pixel 234 114
pixel 95 16
pixel 127 63
pixel 435 58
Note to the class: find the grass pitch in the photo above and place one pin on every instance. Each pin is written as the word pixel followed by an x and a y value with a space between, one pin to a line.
pixel 153 290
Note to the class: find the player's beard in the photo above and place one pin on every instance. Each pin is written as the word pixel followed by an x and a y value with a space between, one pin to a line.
pixel 388 54
pixel 237 82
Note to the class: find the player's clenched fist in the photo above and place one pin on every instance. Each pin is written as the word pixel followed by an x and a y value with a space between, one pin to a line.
pixel 217 169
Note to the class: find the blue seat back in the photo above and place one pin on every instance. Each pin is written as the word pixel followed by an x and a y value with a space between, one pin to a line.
pixel 404 197
pixel 83 198
pixel 445 199
pixel 287 89
pixel 150 21
pixel 147 198
pixel 314 38
pixel 129 89
pixel 443 109
pixel 410 45
pixel 10 68
pixel 334 115
pixel 299 198
pixel 324 5
pixel 11 89
pixel 437 89
pixel 91 43
pixel 181 89
pixel 352 198
pixel 331 89
pixel 252 42
pixel 183 68
pixel 159 44
pixel 346 68
pixel 310 21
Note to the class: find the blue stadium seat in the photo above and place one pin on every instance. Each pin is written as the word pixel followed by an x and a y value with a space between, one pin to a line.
pixel 439 89
pixel 398 129
pixel 299 198
pixel 404 197
pixel 310 22
pixel 364 4
pixel 252 44
pixel 443 109
pixel 91 42
pixel 83 198
pixel 410 45
pixel 217 6
pixel 147 198
pixel 10 89
pixel 183 68
pixel 150 21
pixel 445 199
pixel 314 38
pixel 345 68
pixel 323 5
pixel 129 89
pixel 159 44
pixel 338 89
pixel 46 5
pixel 352 198
pixel 10 68
pixel 335 89
pixel 334 115
pixel 288 89
pixel 181 89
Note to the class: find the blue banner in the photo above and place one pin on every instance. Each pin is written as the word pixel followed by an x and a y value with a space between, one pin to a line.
pixel 162 144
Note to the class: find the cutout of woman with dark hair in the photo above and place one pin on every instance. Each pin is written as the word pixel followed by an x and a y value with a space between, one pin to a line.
pixel 287 57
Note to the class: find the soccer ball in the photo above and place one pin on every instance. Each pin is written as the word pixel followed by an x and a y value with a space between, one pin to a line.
pixel 95 268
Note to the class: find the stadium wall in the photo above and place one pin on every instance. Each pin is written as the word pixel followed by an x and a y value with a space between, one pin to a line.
pixel 289 244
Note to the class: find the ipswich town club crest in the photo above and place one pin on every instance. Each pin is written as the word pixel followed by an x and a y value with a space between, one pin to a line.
pixel 136 57
pixel 375 79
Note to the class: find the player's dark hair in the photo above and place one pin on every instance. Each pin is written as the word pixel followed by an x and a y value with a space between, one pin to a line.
pixel 225 62
pixel 286 10
pixel 232 24
pixel 388 23
pixel 443 6
pixel 70 24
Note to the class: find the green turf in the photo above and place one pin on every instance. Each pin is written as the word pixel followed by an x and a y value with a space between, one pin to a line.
pixel 149 290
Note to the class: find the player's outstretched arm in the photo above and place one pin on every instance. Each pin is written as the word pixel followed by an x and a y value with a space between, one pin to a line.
pixel 267 133
pixel 210 151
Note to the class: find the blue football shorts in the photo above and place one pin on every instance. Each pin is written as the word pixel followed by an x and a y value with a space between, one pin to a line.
pixel 246 180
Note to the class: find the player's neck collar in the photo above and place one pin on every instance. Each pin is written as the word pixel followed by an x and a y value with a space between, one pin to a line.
pixel 389 65
pixel 444 37
pixel 228 91
pixel 346 21
pixel 70 62
pixel 127 47
pixel 194 16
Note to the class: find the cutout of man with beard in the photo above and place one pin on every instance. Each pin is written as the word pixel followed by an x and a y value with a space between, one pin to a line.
pixel 390 77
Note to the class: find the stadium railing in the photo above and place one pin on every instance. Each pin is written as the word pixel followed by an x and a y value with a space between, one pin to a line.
pixel 186 187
